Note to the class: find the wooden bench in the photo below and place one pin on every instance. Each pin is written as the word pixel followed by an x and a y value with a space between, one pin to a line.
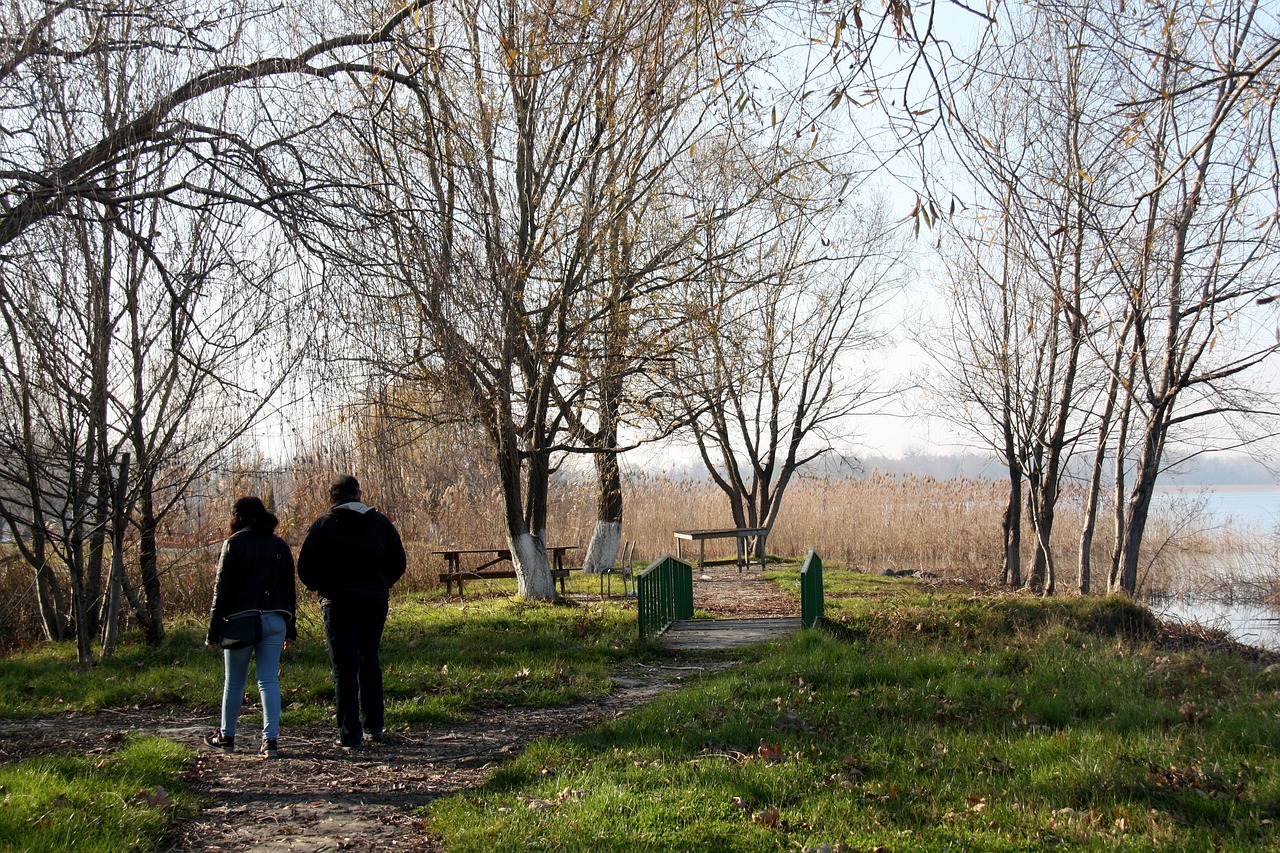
pixel 450 578
pixel 454 573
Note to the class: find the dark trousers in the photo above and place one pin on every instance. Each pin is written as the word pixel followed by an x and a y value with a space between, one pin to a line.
pixel 353 631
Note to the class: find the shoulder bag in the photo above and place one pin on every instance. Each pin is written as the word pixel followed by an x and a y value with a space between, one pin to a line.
pixel 241 631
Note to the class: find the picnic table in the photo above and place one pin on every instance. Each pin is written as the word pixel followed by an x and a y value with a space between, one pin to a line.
pixel 745 540
pixel 491 557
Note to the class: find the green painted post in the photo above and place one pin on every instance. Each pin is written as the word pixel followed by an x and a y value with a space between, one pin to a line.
pixel 811 596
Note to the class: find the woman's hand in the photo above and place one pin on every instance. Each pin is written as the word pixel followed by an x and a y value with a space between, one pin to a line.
pixel 286 644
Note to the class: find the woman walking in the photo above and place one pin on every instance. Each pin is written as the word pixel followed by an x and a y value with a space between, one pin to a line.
pixel 254 600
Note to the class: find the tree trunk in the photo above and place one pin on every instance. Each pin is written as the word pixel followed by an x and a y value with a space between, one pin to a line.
pixel 96 557
pixel 52 597
pixel 1036 576
pixel 1084 574
pixel 1043 566
pixel 79 606
pixel 533 568
pixel 1084 577
pixel 602 553
pixel 149 563
pixel 1119 487
pixel 1144 483
pixel 111 609
pixel 525 514
pixel 1012 524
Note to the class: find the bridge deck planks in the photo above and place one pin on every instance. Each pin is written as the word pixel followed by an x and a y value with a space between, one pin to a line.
pixel 727 633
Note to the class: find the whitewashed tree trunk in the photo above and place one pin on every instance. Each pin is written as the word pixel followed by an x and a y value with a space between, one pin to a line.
pixel 602 553
pixel 533 569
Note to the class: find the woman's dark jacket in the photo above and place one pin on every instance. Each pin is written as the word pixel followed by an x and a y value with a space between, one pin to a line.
pixel 255 573
pixel 352 553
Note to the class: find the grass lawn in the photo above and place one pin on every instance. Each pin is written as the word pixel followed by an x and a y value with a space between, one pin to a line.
pixel 442 662
pixel 926 718
pixel 100 804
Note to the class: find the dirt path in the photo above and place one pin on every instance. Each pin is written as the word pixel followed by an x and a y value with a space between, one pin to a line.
pixel 316 797
pixel 727 593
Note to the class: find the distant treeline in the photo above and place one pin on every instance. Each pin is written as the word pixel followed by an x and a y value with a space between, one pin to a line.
pixel 1221 469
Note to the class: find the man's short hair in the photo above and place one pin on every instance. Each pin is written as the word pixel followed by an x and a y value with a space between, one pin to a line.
pixel 344 489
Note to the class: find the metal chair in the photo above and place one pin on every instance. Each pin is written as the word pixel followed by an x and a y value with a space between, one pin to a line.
pixel 622 570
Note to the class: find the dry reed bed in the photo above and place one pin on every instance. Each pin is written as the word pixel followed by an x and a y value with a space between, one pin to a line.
pixel 949 527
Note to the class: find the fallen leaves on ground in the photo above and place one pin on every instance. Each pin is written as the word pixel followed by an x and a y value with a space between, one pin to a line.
pixel 768 818
pixel 536 803
pixel 159 798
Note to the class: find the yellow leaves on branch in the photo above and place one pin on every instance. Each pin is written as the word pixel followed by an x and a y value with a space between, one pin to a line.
pixel 509 52
pixel 900 10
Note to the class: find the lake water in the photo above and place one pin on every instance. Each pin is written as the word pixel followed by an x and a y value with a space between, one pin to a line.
pixel 1251 624
pixel 1242 507
pixel 1254 509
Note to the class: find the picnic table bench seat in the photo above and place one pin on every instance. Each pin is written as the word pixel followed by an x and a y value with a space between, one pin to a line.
pixel 449 578
pixel 497 567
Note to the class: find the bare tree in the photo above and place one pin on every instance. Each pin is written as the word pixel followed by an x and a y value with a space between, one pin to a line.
pixel 47 58
pixel 126 305
pixel 487 195
pixel 1201 117
pixel 1145 226
pixel 984 360
pixel 162 365
pixel 1034 269
pixel 768 377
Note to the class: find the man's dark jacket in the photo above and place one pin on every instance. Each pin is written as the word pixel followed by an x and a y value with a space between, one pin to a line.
pixel 255 573
pixel 351 553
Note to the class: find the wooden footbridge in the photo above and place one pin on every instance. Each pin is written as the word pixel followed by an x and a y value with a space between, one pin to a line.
pixel 665 599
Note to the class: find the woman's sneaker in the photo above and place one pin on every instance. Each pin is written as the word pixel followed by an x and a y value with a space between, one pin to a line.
pixel 216 740
pixel 268 748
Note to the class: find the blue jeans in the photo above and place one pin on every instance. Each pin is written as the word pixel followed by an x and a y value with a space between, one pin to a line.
pixel 353 630
pixel 236 666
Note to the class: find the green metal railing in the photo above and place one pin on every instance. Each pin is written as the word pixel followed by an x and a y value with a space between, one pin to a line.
pixel 811 600
pixel 664 594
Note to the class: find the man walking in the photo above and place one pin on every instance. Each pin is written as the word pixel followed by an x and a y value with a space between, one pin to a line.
pixel 352 556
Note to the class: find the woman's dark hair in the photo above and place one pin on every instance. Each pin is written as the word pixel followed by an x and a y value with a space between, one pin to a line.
pixel 251 513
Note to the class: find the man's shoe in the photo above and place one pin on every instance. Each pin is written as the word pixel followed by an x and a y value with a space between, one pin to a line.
pixel 381 738
pixel 216 740
pixel 347 747
pixel 269 748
